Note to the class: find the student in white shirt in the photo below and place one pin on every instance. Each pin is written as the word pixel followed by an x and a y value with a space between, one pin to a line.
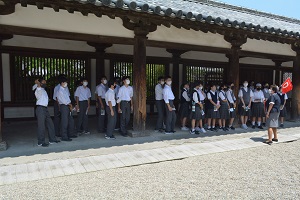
pixel 258 108
pixel 83 99
pixel 63 97
pixel 185 102
pixel 43 117
pixel 125 105
pixel 232 104
pixel 160 104
pixel 267 95
pixel 282 115
pixel 202 96
pixel 102 119
pixel 224 107
pixel 213 105
pixel 111 111
pixel 169 104
pixel 245 96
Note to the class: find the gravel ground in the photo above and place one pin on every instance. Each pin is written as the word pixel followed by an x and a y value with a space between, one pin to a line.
pixel 268 172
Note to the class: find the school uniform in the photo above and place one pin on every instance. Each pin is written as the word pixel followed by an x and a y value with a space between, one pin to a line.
pixel 170 115
pixel 266 95
pixel 83 94
pixel 257 108
pixel 224 108
pixel 67 121
pixel 124 98
pixel 282 97
pixel 272 121
pixel 211 112
pixel 101 90
pixel 197 114
pixel 245 93
pixel 184 103
pixel 160 106
pixel 43 117
pixel 231 100
pixel 111 120
pixel 116 90
pixel 57 111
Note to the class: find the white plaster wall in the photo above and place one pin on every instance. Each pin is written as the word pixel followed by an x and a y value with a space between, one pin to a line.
pixel 47 18
pixel 48 43
pixel 287 64
pixel 197 55
pixel 6 78
pixel 268 47
pixel 257 61
pixel 184 36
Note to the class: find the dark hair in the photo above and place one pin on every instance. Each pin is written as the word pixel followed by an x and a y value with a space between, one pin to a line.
pixel 125 77
pixel 111 82
pixel 160 77
pixel 78 83
pixel 184 83
pixel 102 77
pixel 222 85
pixel 196 83
pixel 62 80
pixel 274 88
pixel 168 77
pixel 83 79
pixel 59 77
pixel 41 79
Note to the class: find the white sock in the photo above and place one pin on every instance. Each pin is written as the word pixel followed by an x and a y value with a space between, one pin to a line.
pixel 208 127
pixel 253 123
pixel 230 125
pixel 213 126
pixel 258 123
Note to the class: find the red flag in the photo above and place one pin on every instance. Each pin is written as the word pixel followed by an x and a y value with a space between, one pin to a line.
pixel 286 86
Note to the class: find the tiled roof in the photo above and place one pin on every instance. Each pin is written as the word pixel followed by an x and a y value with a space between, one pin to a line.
pixel 212 12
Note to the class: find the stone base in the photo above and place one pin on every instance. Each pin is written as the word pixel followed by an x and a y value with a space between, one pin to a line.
pixel 3 146
pixel 139 133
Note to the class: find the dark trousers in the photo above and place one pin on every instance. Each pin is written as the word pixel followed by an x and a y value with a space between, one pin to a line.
pixel 56 118
pixel 111 121
pixel 102 119
pixel 83 118
pixel 44 119
pixel 67 122
pixel 170 118
pixel 125 116
pixel 160 106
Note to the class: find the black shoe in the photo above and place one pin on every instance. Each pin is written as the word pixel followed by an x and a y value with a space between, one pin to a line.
pixel 264 124
pixel 73 136
pixel 232 128
pixel 67 139
pixel 268 142
pixel 173 131
pixel 43 145
pixel 253 126
pixel 56 141
pixel 275 140
pixel 227 129
pixel 224 129
pixel 110 137
pixel 124 134
pixel 281 126
pixel 260 127
pixel 215 129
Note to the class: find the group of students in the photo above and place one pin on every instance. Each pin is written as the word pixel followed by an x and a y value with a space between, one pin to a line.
pixel 113 102
pixel 214 104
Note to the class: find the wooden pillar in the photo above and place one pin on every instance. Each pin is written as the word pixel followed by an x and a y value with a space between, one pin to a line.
pixel 233 71
pixel 296 83
pixel 100 63
pixel 278 64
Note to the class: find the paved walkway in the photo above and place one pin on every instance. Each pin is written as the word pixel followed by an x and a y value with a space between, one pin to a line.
pixel 38 170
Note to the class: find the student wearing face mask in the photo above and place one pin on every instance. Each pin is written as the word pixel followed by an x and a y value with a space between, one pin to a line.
pixel 125 104
pixel 101 90
pixel 63 97
pixel 184 110
pixel 43 117
pixel 257 110
pixel 116 90
pixel 272 115
pixel 224 107
pixel 160 105
pixel 197 107
pixel 266 95
pixel 202 95
pixel 232 105
pixel 169 104
pixel 111 111
pixel 83 98
pixel 245 96
pixel 283 98
pixel 213 106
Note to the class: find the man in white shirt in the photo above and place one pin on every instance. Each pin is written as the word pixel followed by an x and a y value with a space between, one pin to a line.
pixel 125 104
pixel 160 104
pixel 65 105
pixel 43 117
pixel 101 90
pixel 83 98
pixel 110 101
pixel 170 108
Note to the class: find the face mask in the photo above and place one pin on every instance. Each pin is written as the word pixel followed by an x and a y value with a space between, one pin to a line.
pixel 127 82
pixel 218 87
pixel 85 83
pixel 245 84
pixel 270 91
pixel 65 85
pixel 200 88
pixel 115 87
pixel 258 88
pixel 169 82
pixel 43 86
pixel 225 89
pixel 162 82
pixel 232 87
pixel 104 81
